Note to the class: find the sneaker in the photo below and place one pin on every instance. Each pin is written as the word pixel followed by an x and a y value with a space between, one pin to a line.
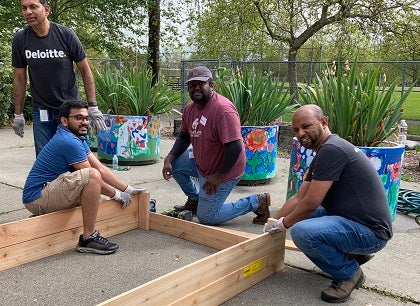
pixel 339 291
pixel 360 258
pixel 96 244
pixel 262 211
pixel 189 205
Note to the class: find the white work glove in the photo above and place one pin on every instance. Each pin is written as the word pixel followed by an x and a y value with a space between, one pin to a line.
pixel 97 117
pixel 123 197
pixel 275 227
pixel 132 191
pixel 18 125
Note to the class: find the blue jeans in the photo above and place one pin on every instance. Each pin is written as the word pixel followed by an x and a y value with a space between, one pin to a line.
pixel 327 240
pixel 211 208
pixel 44 130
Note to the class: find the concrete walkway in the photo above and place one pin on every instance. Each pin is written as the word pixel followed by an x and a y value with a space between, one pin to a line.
pixel 70 278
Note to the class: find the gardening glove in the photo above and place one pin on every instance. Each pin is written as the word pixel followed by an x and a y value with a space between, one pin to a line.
pixel 275 227
pixel 18 125
pixel 97 117
pixel 123 197
pixel 132 191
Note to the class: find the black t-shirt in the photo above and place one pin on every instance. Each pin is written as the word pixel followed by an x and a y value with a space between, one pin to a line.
pixel 50 63
pixel 357 192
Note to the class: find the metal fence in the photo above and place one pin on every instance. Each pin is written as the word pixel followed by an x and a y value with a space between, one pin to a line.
pixel 405 72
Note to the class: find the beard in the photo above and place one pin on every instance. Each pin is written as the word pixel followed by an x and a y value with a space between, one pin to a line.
pixel 311 141
pixel 200 98
pixel 80 131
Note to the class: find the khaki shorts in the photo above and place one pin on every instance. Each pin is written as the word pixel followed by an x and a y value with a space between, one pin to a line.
pixel 62 193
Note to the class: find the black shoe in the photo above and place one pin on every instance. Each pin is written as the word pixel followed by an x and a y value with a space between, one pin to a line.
pixel 189 205
pixel 96 244
pixel 361 259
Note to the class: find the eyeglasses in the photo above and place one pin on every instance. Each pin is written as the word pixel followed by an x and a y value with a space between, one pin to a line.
pixel 81 118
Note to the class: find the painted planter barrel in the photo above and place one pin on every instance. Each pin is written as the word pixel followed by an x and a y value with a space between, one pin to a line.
pixel 387 161
pixel 261 153
pixel 92 137
pixel 134 139
pixel 300 160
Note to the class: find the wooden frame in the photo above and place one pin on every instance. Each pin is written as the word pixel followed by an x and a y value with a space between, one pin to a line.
pixel 244 259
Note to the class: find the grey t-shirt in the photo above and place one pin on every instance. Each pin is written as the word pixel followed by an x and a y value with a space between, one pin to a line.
pixel 357 192
pixel 50 63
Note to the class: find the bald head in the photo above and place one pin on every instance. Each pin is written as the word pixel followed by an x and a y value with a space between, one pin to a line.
pixel 310 109
pixel 310 126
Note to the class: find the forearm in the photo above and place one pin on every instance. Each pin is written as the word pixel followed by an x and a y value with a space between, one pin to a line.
pixel 89 85
pixel 19 93
pixel 231 153
pixel 111 182
pixel 88 80
pixel 182 143
pixel 287 207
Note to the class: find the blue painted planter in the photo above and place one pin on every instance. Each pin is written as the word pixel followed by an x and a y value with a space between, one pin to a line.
pixel 387 161
pixel 92 137
pixel 134 139
pixel 261 153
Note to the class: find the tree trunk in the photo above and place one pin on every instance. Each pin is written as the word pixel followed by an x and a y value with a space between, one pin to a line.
pixel 292 76
pixel 154 39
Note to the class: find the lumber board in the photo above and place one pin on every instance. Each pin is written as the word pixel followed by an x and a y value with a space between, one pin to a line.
pixel 48 224
pixel 209 236
pixel 144 210
pixel 177 285
pixel 230 285
pixel 38 237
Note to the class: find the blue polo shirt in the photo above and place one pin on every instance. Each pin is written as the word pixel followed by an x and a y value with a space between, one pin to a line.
pixel 57 157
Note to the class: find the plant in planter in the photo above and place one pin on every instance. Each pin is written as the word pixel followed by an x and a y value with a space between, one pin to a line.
pixel 361 109
pixel 260 100
pixel 134 108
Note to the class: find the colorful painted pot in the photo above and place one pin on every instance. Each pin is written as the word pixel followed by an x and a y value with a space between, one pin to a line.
pixel 134 139
pixel 387 161
pixel 92 137
pixel 261 153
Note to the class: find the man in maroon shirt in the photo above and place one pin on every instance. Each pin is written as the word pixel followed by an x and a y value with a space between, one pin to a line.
pixel 211 125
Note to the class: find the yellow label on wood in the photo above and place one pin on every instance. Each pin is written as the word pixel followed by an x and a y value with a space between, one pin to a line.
pixel 252 268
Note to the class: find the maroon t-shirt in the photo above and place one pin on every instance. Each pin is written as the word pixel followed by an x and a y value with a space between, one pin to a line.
pixel 209 128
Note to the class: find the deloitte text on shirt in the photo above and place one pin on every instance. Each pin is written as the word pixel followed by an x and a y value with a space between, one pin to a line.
pixel 45 54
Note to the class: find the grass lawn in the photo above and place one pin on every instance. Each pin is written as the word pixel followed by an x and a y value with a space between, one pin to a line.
pixel 411 105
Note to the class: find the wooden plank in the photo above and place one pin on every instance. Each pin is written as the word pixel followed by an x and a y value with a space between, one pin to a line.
pixel 202 234
pixel 144 210
pixel 24 230
pixel 38 237
pixel 27 251
pixel 178 284
pixel 232 284
pixel 237 233
pixel 289 244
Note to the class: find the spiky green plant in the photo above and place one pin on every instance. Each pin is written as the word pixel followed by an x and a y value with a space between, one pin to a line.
pixel 131 92
pixel 109 90
pixel 359 105
pixel 259 98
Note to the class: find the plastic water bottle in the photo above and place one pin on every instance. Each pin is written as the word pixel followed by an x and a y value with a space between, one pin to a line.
pixel 115 163
pixel 402 132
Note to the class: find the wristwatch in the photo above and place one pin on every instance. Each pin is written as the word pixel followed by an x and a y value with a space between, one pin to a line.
pixel 93 103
